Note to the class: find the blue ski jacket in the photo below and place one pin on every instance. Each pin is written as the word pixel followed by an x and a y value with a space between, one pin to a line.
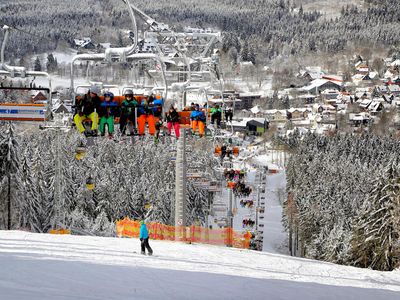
pixel 197 115
pixel 144 234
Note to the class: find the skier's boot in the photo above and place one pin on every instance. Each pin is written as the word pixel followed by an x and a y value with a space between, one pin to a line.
pixel 144 253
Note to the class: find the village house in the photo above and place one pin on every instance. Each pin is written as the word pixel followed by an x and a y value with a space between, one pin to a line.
pixel 363 93
pixel 257 126
pixel 375 107
pixel 299 113
pixel 330 96
pixel 38 98
pixel 364 103
pixel 276 115
pixel 247 99
pixel 394 89
pixel 253 126
pixel 319 108
pixel 85 43
pixel 364 79
pixel 319 85
pixel 360 119
pixel 307 98
pixel 362 67
pixel 311 73
pixel 382 89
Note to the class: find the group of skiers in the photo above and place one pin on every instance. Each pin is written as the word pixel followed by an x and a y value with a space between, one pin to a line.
pixel 241 190
pixel 246 203
pixel 102 113
pixel 216 114
pixel 234 175
pixel 198 116
pixel 235 181
pixel 138 111
pixel 248 223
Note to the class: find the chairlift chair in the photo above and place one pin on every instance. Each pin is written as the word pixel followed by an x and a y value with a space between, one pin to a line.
pixel 23 112
pixel 90 183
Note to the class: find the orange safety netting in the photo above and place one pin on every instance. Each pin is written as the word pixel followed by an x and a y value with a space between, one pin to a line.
pixel 60 231
pixel 192 234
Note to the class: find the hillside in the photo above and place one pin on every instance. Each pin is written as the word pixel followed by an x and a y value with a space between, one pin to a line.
pixel 330 8
pixel 41 266
pixel 267 28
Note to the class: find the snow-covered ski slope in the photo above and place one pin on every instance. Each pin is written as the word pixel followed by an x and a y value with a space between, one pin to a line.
pixel 42 266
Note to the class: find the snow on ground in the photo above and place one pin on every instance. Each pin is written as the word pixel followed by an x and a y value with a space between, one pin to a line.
pixel 274 234
pixel 42 266
pixel 331 9
pixel 58 82
pixel 251 85
pixel 63 56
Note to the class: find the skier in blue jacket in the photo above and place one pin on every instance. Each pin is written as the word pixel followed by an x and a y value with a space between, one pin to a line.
pixel 144 239
pixel 198 119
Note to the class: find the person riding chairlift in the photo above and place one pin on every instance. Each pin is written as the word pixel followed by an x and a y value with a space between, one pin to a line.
pixel 87 108
pixel 216 115
pixel 147 112
pixel 198 119
pixel 228 113
pixel 108 110
pixel 128 111
pixel 155 107
pixel 172 118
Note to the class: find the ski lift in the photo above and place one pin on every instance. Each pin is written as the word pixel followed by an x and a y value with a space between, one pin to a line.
pixel 235 151
pixel 217 151
pixel 194 175
pixel 38 111
pixel 80 151
pixel 231 184
pixel 90 183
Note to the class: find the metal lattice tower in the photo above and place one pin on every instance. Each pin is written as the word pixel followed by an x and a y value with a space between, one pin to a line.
pixel 180 186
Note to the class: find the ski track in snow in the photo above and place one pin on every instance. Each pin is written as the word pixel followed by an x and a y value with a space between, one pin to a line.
pixel 43 266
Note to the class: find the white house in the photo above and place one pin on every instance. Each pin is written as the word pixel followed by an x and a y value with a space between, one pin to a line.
pixel 86 43
pixel 318 85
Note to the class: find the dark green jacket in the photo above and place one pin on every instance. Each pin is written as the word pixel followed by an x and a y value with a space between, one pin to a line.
pixel 128 107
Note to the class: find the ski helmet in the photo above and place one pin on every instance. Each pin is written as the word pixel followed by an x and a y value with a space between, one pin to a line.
pixel 94 89
pixel 109 94
pixel 128 92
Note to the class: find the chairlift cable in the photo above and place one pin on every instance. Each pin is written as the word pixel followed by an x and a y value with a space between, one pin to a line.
pixel 39 36
pixel 27 32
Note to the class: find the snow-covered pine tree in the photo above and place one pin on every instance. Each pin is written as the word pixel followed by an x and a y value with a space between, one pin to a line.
pixel 29 204
pixel 102 225
pixel 377 233
pixel 37 64
pixel 42 202
pixel 9 165
pixel 51 64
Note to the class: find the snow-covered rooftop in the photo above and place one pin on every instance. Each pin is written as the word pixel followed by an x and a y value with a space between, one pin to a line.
pixel 317 83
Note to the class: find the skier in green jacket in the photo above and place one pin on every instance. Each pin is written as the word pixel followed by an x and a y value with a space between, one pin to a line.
pixel 216 115
pixel 128 111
